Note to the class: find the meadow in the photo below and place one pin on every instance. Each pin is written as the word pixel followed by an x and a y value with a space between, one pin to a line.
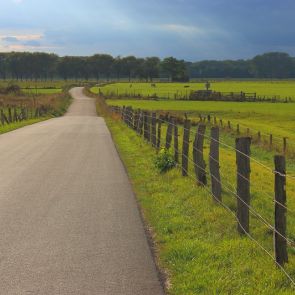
pixel 37 91
pixel 37 87
pixel 268 118
pixel 197 245
pixel 279 88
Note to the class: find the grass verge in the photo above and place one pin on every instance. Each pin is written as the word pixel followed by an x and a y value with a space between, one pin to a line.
pixel 196 240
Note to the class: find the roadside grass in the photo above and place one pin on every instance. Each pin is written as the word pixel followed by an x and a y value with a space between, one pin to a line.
pixel 275 118
pixel 196 239
pixel 279 88
pixel 16 125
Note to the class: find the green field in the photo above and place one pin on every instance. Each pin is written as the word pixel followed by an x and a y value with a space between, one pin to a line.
pixel 42 87
pixel 197 244
pixel 39 83
pixel 41 91
pixel 281 89
pixel 275 118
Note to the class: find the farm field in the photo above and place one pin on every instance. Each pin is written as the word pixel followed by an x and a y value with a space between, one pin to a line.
pixel 275 118
pixel 41 87
pixel 168 90
pixel 40 84
pixel 41 91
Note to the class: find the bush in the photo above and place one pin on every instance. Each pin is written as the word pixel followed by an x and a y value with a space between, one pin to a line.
pixel 164 161
pixel 12 89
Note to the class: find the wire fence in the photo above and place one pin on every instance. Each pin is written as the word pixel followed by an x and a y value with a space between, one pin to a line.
pixel 152 127
pixel 11 114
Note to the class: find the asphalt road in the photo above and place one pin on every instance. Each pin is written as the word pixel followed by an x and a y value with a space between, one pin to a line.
pixel 69 222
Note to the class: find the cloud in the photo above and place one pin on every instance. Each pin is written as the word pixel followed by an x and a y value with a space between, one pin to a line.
pixel 20 37
pixel 32 43
pixel 10 39
pixel 24 42
pixel 181 29
pixel 188 29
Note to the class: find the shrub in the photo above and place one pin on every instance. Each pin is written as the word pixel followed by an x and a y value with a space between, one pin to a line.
pixel 164 161
pixel 12 89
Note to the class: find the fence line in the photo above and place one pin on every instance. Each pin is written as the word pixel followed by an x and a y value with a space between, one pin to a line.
pixel 246 232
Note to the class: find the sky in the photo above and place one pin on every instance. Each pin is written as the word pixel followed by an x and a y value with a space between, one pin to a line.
pixel 186 29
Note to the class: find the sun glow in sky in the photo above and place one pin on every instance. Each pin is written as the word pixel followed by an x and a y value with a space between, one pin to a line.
pixel 188 29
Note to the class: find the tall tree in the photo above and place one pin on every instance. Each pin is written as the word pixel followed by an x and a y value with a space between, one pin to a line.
pixel 175 69
pixel 152 68
pixel 129 66
pixel 273 65
pixel 101 65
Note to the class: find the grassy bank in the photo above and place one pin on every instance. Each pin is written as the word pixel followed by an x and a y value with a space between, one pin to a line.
pixel 196 240
pixel 16 125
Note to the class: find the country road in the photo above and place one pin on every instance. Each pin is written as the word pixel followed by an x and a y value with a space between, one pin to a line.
pixel 69 222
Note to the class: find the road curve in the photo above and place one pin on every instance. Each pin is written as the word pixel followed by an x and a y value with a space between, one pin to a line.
pixel 69 222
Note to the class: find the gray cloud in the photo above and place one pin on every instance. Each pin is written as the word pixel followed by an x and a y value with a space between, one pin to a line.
pixel 188 29
pixel 10 39
pixel 32 43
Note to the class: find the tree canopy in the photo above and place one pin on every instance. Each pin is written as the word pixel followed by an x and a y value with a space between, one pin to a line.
pixel 39 65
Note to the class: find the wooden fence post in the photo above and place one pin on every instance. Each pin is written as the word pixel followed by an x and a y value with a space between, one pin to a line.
pixel 270 140
pixel 259 136
pixel 221 123
pixel 243 183
pixel 123 114
pixel 145 125
pixel 228 125
pixel 149 120
pixel 214 164
pixel 198 156
pixel 185 146
pixel 9 115
pixel 126 114
pixel 140 121
pixel 154 129
pixel 280 210
pixel 136 118
pixel 176 151
pixel 159 132
pixel 2 117
pixel 169 134
pixel 131 118
pixel 15 118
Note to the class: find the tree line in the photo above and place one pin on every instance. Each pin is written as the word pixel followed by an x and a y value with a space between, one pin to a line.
pixel 45 66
